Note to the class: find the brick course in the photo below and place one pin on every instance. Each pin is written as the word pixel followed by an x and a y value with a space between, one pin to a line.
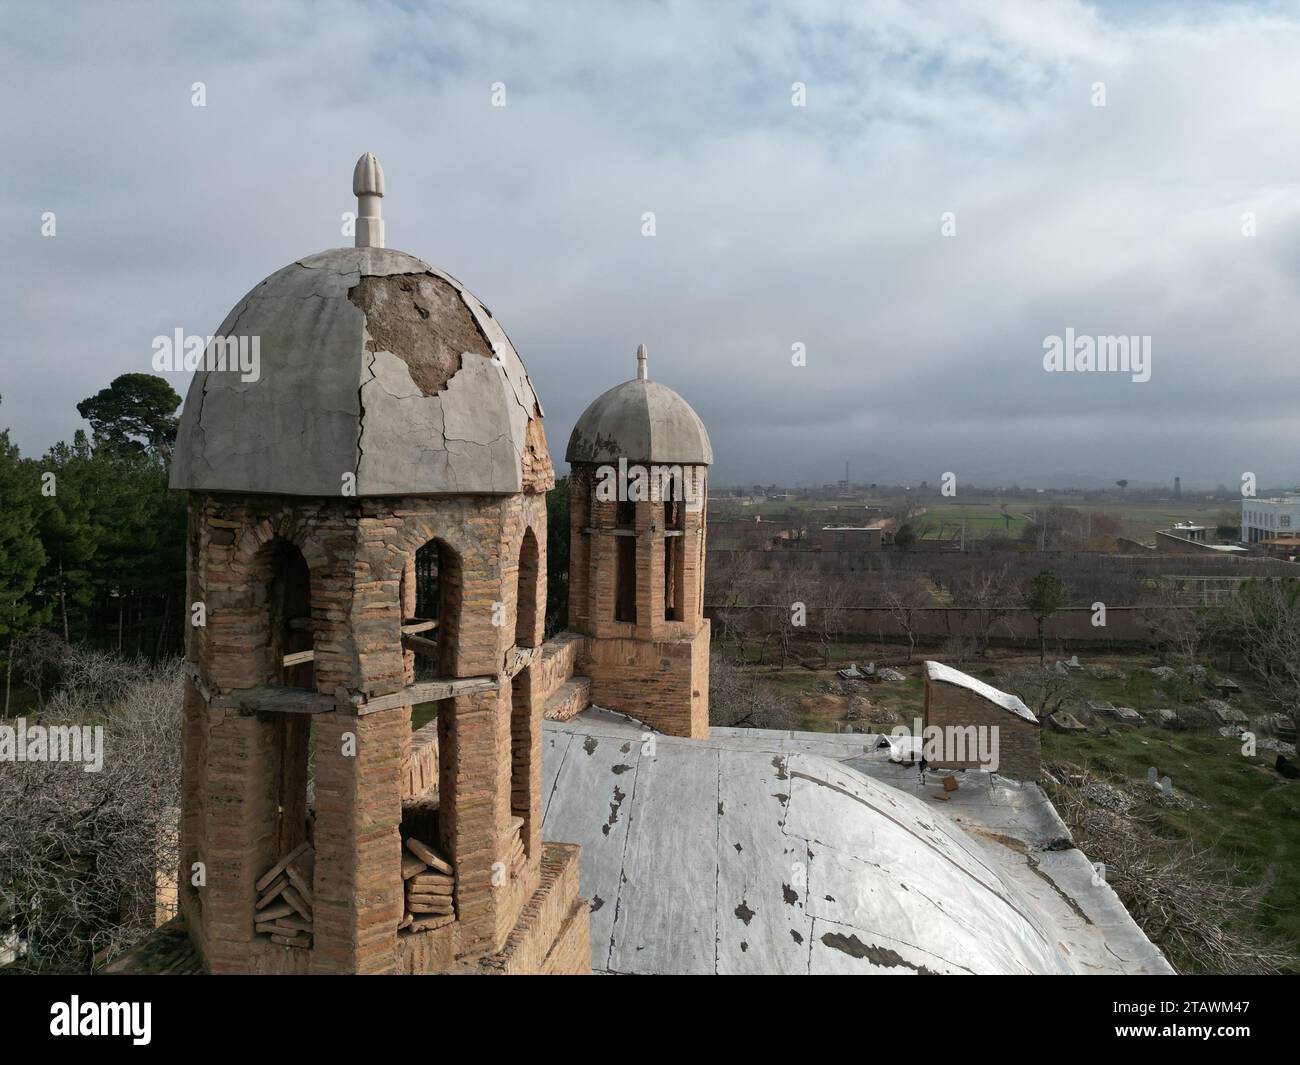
pixel 1019 740
pixel 245 784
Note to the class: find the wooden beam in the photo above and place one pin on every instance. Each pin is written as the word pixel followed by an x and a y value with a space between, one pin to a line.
pixel 298 658
pixel 426 692
pixel 278 701
pixel 414 625
pixel 419 645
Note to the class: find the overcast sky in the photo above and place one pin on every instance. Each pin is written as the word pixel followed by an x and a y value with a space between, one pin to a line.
pixel 776 224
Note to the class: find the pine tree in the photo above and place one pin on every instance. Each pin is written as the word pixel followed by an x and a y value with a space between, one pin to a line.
pixel 21 555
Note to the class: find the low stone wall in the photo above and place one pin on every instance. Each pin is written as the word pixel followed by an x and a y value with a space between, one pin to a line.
pixel 558 663
pixel 1124 625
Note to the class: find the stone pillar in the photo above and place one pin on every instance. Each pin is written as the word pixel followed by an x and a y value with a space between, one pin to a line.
pixel 474 810
pixel 358 879
pixel 239 821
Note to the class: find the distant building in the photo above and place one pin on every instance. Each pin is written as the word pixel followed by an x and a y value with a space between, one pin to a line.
pixel 1284 547
pixel 847 538
pixel 1265 519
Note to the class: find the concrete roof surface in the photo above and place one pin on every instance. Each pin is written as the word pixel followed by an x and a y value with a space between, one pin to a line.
pixel 641 421
pixel 328 401
pixel 759 851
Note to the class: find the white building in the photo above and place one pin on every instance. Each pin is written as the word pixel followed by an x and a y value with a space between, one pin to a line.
pixel 1263 519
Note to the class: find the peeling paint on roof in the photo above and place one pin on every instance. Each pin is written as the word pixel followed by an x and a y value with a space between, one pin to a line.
pixel 784 852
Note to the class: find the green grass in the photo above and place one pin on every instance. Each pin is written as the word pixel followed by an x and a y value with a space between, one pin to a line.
pixel 422 714
pixel 1246 813
pixel 1242 809
pixel 1139 520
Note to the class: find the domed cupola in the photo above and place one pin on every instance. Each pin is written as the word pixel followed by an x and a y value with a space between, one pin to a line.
pixel 640 421
pixel 367 362
pixel 638 486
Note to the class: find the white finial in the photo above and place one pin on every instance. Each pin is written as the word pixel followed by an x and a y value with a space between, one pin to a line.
pixel 642 374
pixel 368 187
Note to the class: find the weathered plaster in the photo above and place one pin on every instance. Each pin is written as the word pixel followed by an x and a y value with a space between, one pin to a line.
pixel 372 363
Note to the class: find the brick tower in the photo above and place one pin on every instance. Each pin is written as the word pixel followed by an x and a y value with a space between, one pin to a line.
pixel 639 457
pixel 367 540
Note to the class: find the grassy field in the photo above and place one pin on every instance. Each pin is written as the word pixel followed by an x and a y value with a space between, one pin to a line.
pixel 1138 521
pixel 1246 813
pixel 943 518
pixel 1242 810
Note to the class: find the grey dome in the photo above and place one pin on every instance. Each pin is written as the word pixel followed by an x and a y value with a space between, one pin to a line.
pixel 641 421
pixel 373 363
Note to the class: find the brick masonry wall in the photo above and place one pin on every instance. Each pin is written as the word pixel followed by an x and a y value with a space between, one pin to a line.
pixel 655 670
pixel 664 683
pixel 1019 741
pixel 237 765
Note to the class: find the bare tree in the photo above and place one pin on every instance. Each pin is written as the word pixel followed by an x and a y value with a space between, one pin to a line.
pixel 833 599
pixel 989 594
pixel 1045 691
pixel 1188 903
pixel 731 584
pixel 905 600
pixel 739 697
pixel 81 853
pixel 1262 623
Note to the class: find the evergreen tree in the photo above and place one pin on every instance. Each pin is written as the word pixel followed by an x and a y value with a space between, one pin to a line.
pixel 21 555
pixel 70 535
pixel 1044 597
pixel 136 412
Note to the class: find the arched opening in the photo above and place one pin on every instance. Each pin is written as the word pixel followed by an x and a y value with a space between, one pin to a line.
pixel 674 523
pixel 434 593
pixel 287 606
pixel 526 604
pixel 521 760
pixel 430 593
pixel 625 579
pixel 283 599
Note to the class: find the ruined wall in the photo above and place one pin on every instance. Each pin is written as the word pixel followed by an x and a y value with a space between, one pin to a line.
pixel 357 552
pixel 1073 625
pixel 1019 741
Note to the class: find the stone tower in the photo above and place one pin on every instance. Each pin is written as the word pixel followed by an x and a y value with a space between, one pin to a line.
pixel 639 457
pixel 367 538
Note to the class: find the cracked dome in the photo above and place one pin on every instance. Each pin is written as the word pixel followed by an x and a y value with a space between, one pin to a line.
pixel 371 363
pixel 641 421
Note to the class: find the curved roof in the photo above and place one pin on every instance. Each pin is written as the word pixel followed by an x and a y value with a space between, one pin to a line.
pixel 758 851
pixel 641 421
pixel 373 363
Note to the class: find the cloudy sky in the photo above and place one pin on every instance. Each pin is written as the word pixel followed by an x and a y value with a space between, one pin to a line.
pixel 776 224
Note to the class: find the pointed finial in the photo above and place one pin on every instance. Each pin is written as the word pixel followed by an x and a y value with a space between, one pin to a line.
pixel 368 187
pixel 642 374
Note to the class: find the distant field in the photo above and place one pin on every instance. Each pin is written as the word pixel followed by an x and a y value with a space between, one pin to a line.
pixel 943 518
pixel 1140 521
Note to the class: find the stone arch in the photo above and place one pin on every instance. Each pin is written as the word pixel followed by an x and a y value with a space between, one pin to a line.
pixel 530 592
pixel 431 590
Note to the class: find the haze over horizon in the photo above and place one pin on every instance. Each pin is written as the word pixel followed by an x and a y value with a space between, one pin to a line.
pixel 776 224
